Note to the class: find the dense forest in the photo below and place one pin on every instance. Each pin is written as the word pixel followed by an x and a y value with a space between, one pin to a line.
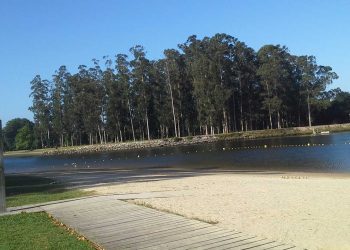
pixel 212 85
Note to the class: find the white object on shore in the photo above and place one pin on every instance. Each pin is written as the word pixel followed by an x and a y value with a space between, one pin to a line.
pixel 324 132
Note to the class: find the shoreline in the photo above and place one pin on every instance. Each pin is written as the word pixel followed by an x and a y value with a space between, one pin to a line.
pixel 183 141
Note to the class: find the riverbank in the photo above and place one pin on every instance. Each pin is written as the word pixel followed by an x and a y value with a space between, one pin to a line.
pixel 189 140
pixel 311 211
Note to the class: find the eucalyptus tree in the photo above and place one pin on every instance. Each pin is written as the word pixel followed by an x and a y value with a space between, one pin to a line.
pixel 173 80
pixel 96 75
pixel 245 68
pixel 314 80
pixel 210 85
pixel 117 97
pixel 162 100
pixel 123 78
pixel 41 108
pixel 140 79
pixel 87 103
pixel 274 74
pixel 220 51
pixel 60 82
pixel 180 90
pixel 198 63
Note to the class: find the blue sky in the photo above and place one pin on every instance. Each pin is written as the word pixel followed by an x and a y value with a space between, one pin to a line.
pixel 38 36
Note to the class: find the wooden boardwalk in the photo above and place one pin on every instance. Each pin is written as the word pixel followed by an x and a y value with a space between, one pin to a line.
pixel 114 224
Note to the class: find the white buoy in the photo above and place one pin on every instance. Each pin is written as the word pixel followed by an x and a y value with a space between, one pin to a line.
pixel 265 146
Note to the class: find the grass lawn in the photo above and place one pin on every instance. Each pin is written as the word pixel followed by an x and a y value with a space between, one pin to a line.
pixel 27 152
pixel 37 231
pixel 41 197
pixel 25 190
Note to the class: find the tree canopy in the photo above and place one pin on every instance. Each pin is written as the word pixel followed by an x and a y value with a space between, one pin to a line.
pixel 10 133
pixel 212 85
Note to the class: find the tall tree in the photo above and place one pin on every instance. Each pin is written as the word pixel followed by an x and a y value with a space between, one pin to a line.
pixel 60 81
pixel 41 108
pixel 274 72
pixel 140 77
pixel 245 67
pixel 123 81
pixel 314 80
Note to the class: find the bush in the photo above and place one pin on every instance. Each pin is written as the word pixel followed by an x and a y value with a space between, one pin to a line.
pixel 177 139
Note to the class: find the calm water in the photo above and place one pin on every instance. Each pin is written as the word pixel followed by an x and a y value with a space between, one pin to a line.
pixel 324 153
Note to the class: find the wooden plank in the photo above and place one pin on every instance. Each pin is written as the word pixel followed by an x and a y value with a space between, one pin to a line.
pixel 101 216
pixel 223 243
pixel 197 241
pixel 127 233
pixel 240 244
pixel 200 242
pixel 158 238
pixel 136 225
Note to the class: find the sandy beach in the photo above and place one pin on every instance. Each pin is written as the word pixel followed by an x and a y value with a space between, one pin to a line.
pixel 311 211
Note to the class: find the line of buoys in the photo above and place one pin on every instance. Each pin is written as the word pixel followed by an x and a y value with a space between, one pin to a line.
pixel 265 146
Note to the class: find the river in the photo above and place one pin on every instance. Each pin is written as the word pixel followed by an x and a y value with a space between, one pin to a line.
pixel 322 153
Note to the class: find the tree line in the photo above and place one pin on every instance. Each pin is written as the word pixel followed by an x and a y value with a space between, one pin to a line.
pixel 206 86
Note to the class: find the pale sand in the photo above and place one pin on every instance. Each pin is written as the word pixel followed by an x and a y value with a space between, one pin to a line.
pixel 312 212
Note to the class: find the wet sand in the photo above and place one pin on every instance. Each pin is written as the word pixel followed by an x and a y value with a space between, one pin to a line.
pixel 311 211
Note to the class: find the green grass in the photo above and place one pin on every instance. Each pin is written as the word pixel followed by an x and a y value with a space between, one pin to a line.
pixel 41 197
pixel 27 152
pixel 24 190
pixel 37 231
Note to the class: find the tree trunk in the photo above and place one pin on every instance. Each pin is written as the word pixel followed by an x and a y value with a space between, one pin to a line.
pixel 147 125
pixel 224 125
pixel 48 137
pixel 241 104
pixel 278 120
pixel 234 113
pixel 41 140
pixel 270 117
pixel 104 136
pixel 172 100
pixel 309 109
pixel 131 121
pixel 99 134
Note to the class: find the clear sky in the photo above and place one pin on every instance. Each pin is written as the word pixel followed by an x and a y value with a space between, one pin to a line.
pixel 38 36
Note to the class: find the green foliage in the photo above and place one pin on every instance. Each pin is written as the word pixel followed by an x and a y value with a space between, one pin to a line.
pixel 177 139
pixel 36 231
pixel 211 85
pixel 25 138
pixel 11 130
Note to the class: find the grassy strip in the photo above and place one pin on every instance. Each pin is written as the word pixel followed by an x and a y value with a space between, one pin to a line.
pixel 46 196
pixel 35 152
pixel 37 231
pixel 25 189
pixel 145 204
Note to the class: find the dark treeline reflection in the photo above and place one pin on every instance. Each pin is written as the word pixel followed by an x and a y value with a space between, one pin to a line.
pixel 211 85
